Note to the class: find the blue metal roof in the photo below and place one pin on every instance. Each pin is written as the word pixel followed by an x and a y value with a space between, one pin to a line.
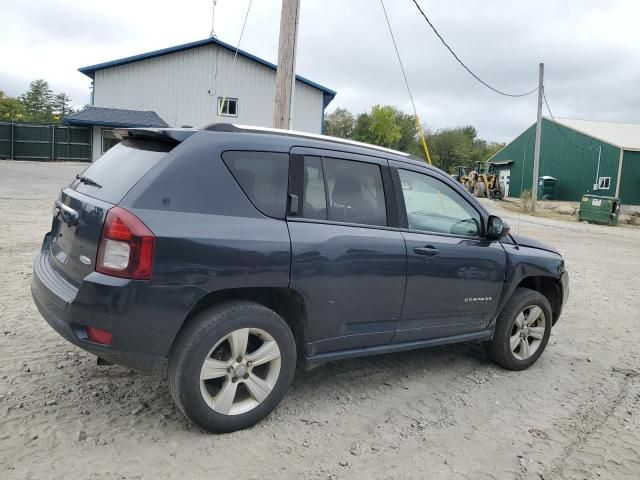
pixel 115 117
pixel 90 70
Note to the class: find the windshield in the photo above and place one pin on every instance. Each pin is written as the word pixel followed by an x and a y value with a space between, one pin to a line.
pixel 118 170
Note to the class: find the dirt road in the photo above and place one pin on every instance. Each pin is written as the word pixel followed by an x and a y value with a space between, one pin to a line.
pixel 440 413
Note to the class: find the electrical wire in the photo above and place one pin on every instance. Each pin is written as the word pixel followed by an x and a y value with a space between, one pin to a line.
pixel 235 56
pixel 555 122
pixel 406 81
pixel 463 64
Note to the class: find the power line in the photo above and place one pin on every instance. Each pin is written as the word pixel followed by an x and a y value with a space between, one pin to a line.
pixel 393 39
pixel 406 81
pixel 555 122
pixel 463 64
pixel 244 24
pixel 235 56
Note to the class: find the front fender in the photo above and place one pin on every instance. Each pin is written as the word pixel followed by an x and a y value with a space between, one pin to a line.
pixel 525 264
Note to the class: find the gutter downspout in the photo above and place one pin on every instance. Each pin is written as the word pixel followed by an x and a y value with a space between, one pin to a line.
pixel 619 179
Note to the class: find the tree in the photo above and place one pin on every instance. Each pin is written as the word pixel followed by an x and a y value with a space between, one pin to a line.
pixel 61 105
pixel 390 127
pixel 339 123
pixel 491 149
pixel 10 107
pixel 453 146
pixel 37 100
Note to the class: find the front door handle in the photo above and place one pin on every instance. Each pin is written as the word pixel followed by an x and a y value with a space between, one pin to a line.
pixel 428 251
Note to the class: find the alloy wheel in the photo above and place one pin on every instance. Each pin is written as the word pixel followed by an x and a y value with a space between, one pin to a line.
pixel 527 332
pixel 240 371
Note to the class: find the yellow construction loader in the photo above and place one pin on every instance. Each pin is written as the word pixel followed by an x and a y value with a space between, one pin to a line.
pixel 482 181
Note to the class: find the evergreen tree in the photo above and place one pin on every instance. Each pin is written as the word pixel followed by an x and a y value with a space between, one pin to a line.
pixel 38 100
pixel 61 105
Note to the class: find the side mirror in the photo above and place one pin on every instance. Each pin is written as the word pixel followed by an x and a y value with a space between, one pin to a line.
pixel 496 228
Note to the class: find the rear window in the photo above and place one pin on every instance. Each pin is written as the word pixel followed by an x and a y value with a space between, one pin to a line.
pixel 119 169
pixel 263 176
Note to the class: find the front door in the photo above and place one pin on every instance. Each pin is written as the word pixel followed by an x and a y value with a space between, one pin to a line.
pixel 454 275
pixel 347 262
pixel 505 173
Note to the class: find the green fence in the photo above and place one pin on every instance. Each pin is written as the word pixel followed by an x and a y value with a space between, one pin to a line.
pixel 52 143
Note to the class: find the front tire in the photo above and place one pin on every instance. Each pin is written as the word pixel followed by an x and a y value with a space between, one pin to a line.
pixel 231 366
pixel 522 330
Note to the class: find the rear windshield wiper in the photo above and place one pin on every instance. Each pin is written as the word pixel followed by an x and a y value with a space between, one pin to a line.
pixel 88 181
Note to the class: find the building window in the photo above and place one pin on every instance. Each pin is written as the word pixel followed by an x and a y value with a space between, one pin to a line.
pixel 228 106
pixel 604 183
pixel 108 140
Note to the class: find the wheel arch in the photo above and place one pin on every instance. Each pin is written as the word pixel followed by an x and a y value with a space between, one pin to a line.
pixel 286 302
pixel 548 286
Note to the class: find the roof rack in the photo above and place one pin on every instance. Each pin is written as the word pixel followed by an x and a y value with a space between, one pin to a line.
pixel 232 127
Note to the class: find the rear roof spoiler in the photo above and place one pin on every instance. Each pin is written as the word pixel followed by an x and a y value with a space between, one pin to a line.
pixel 174 135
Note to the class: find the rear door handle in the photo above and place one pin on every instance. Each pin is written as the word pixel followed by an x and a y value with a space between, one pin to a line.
pixel 428 251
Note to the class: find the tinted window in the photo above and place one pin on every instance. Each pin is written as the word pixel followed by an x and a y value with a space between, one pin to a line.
pixel 120 169
pixel 433 206
pixel 314 203
pixel 355 192
pixel 263 176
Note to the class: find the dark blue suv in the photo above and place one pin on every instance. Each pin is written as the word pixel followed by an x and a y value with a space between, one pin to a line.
pixel 225 256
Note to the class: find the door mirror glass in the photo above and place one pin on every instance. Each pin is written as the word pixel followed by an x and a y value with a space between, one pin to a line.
pixel 496 228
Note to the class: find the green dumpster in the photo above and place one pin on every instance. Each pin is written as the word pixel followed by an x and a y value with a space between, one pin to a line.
pixel 599 209
pixel 547 187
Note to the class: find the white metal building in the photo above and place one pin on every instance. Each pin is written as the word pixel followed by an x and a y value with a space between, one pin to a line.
pixel 193 84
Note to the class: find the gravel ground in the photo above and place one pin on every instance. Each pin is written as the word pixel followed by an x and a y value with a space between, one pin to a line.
pixel 440 413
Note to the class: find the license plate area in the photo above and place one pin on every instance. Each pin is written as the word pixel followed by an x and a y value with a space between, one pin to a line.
pixel 61 239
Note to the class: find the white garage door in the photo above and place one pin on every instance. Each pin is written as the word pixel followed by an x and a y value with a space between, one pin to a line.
pixel 505 173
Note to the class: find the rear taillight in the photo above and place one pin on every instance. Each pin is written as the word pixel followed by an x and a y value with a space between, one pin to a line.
pixel 126 246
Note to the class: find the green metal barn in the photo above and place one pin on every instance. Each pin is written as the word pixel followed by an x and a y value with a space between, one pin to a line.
pixel 584 157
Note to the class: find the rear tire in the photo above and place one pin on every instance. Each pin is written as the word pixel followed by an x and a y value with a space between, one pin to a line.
pixel 231 366
pixel 479 190
pixel 526 317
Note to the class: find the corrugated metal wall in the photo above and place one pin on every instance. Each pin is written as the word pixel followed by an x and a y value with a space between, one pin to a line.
pixel 630 184
pixel 183 88
pixel 574 168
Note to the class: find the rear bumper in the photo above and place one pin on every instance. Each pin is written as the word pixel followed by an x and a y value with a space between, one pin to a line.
pixel 144 320
pixel 77 336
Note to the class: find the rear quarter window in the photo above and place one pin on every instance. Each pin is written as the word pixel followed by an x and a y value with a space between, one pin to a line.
pixel 119 169
pixel 263 176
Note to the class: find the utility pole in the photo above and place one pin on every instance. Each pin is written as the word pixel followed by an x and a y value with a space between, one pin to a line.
pixel 285 74
pixel 536 153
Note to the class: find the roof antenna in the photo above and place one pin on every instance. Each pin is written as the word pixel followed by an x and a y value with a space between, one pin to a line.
pixel 212 34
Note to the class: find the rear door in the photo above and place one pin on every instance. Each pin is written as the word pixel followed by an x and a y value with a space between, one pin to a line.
pixel 348 260
pixel 454 275
pixel 80 211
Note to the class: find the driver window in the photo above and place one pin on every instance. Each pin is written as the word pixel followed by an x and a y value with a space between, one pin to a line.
pixel 433 206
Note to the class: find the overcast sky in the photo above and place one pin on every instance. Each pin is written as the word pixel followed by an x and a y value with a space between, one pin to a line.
pixel 591 51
